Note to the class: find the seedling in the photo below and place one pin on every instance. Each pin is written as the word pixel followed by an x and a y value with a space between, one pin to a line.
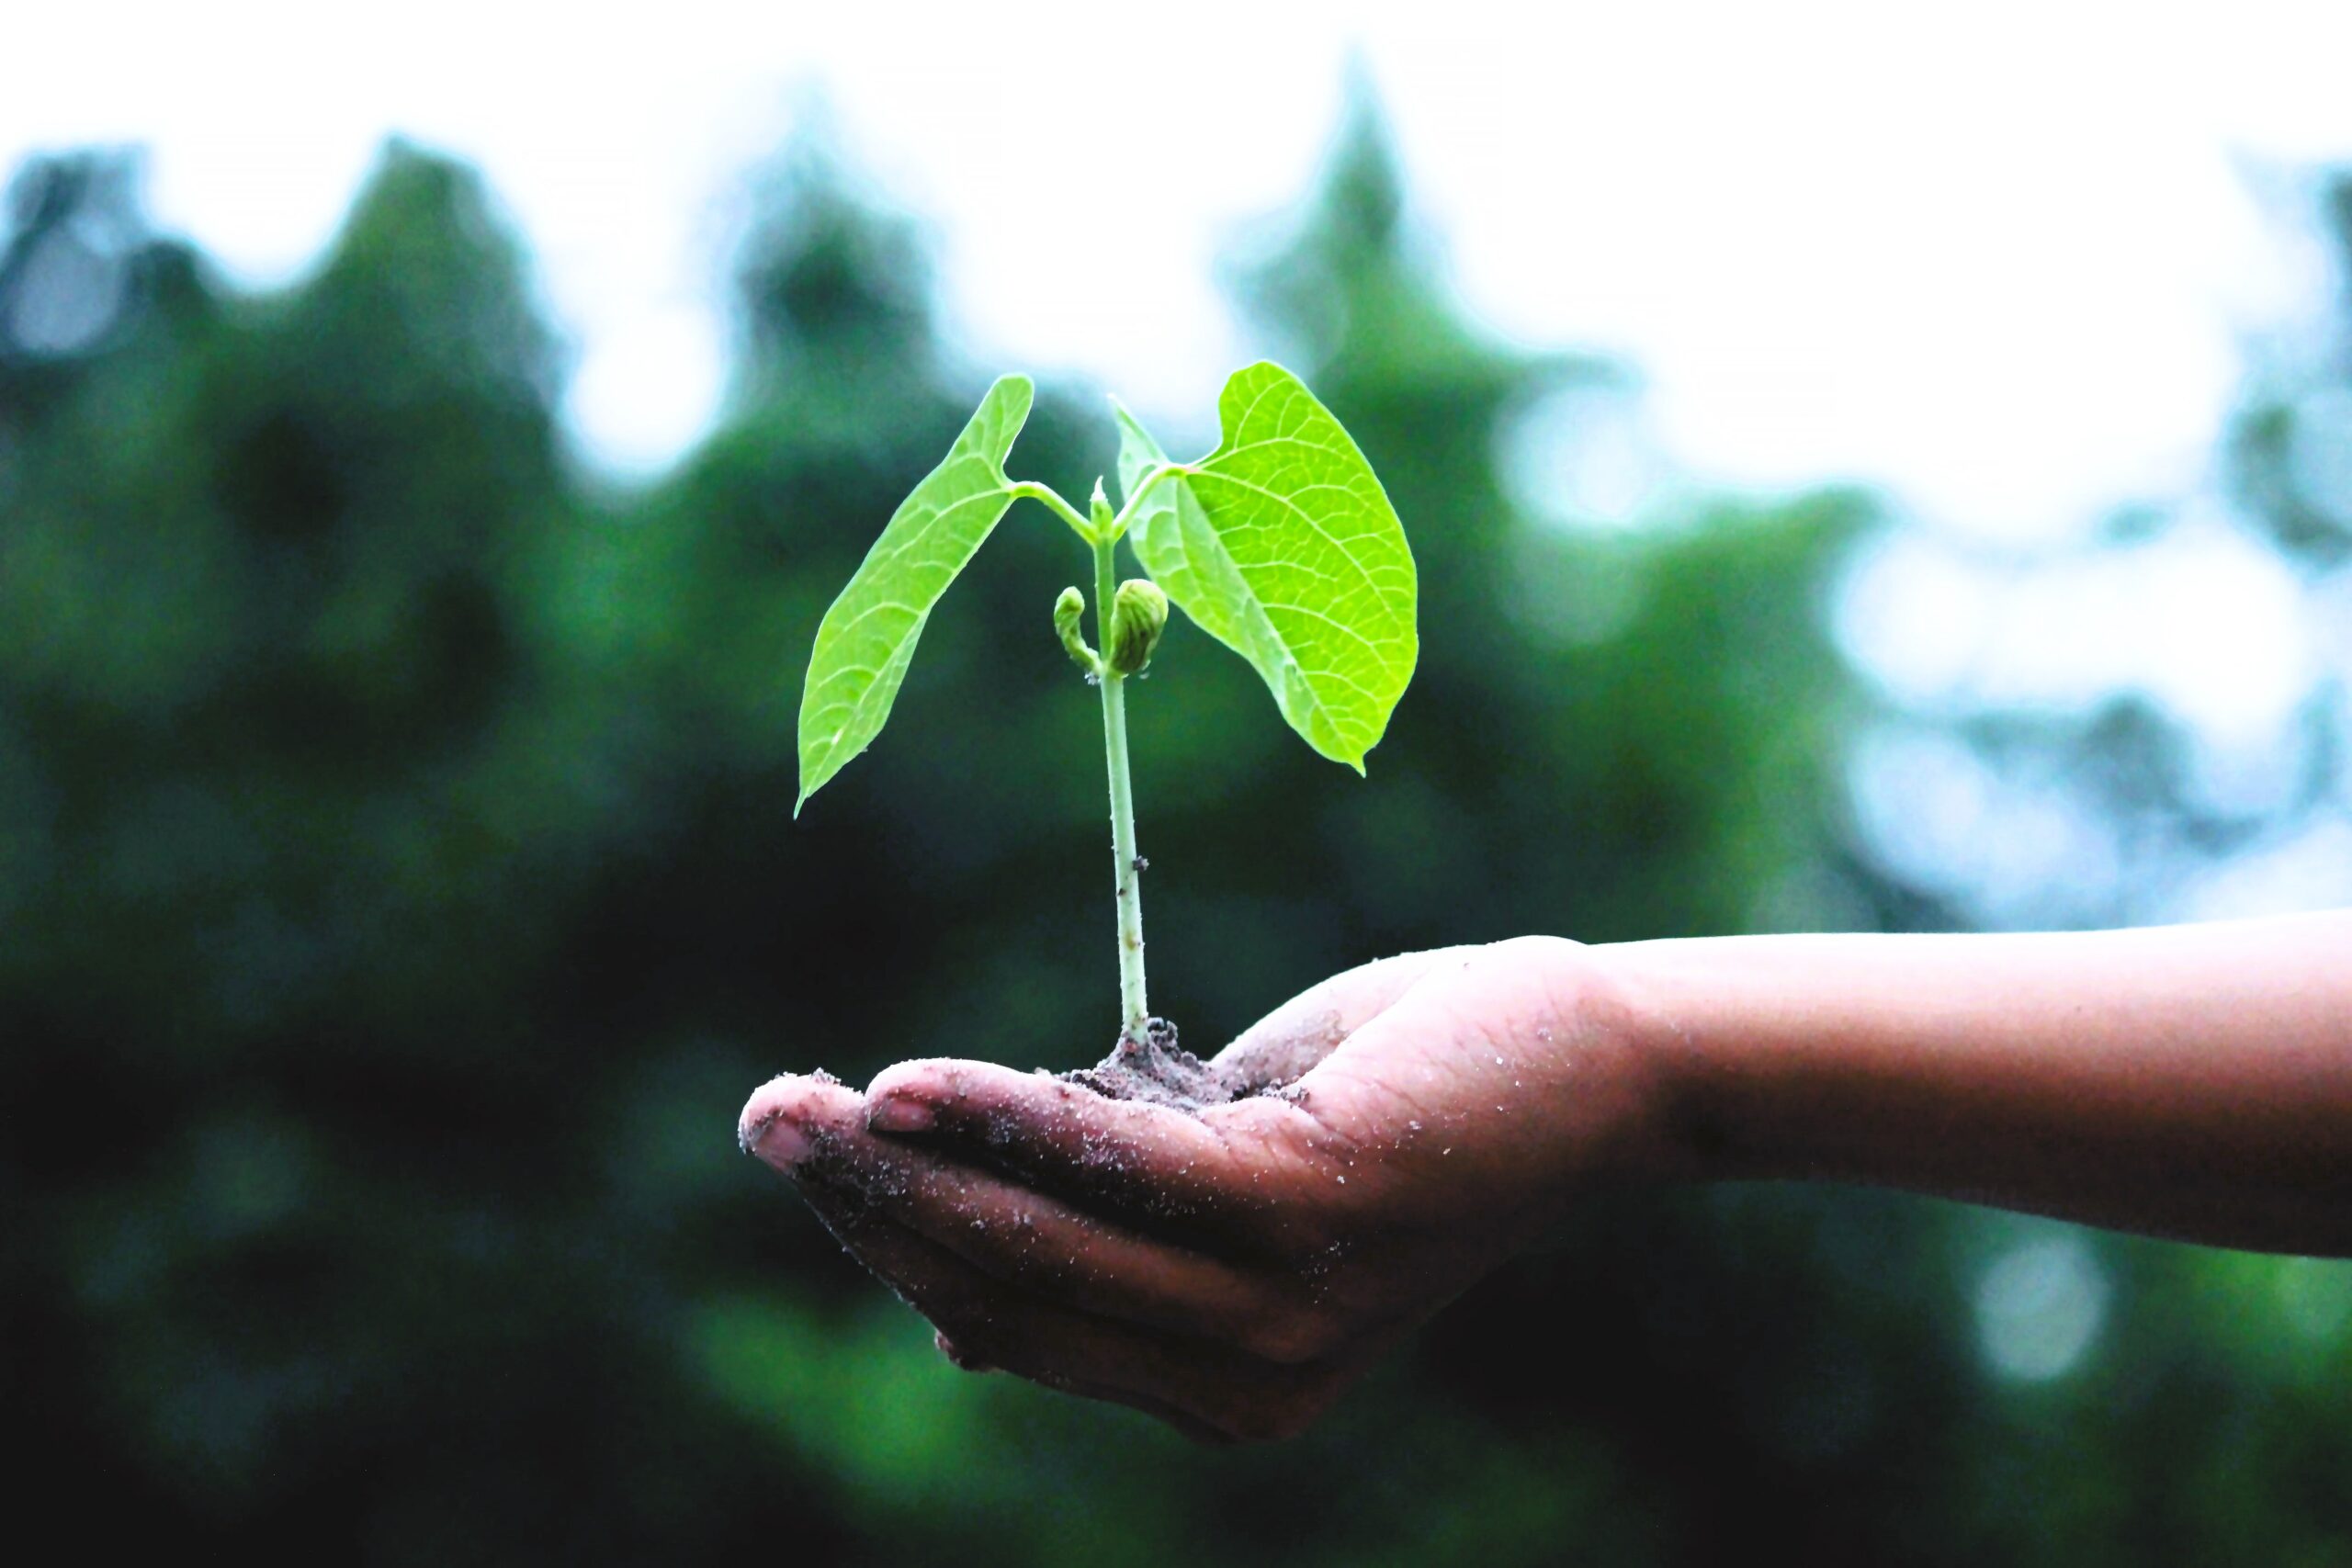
pixel 1280 545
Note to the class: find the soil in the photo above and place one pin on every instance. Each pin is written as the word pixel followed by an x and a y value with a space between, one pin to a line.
pixel 1154 1069
pixel 1158 1071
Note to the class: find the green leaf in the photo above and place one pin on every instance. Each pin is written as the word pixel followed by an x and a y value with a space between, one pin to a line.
pixel 867 638
pixel 1282 545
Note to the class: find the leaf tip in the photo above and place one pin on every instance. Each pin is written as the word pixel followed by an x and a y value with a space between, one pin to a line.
pixel 1017 390
pixel 1257 365
pixel 1124 417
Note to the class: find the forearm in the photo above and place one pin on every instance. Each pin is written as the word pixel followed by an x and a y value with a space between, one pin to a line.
pixel 2192 1081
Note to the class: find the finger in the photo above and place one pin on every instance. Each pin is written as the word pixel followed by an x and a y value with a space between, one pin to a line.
pixel 1207 1392
pixel 1014 1234
pixel 1159 1170
pixel 1151 1162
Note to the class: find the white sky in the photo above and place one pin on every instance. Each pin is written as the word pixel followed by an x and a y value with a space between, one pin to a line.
pixel 2001 263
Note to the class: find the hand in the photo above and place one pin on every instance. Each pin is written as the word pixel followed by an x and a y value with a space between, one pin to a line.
pixel 1232 1271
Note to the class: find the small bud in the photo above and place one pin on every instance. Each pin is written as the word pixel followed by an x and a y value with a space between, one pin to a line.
pixel 1139 614
pixel 1099 506
pixel 1067 610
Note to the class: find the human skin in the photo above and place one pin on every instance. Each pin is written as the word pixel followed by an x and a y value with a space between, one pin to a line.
pixel 1232 1271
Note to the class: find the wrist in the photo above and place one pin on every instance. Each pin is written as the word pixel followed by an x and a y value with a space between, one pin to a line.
pixel 1669 998
pixel 1620 1067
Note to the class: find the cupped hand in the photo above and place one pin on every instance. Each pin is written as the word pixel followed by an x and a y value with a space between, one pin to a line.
pixel 1399 1130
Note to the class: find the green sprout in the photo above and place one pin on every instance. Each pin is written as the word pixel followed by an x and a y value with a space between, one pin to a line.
pixel 1280 544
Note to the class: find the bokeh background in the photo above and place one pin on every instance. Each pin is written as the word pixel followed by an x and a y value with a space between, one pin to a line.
pixel 400 892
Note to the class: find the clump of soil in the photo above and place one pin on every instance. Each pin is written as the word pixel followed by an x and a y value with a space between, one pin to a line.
pixel 1158 1071
pixel 1154 1069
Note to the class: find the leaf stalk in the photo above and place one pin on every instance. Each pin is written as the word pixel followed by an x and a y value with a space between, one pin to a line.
pixel 1032 491
pixel 1144 488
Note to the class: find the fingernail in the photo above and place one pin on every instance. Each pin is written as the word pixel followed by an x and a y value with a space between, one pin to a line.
pixel 897 1114
pixel 778 1141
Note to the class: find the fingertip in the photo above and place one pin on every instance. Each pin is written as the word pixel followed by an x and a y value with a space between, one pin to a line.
pixel 928 1080
pixel 906 1096
pixel 938 1093
pixel 761 1113
pixel 963 1101
pixel 776 1122
pixel 927 1077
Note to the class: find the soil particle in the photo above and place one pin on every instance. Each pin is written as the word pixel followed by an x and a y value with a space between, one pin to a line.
pixel 1158 1071
pixel 1154 1069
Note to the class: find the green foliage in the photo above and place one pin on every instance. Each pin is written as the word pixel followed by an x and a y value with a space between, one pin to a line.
pixel 867 638
pixel 397 907
pixel 1283 545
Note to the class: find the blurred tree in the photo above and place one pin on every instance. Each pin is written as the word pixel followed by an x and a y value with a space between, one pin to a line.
pixel 79 272
pixel 401 892
pixel 2138 809
pixel 2154 1403
pixel 2290 446
pixel 287 838
pixel 829 287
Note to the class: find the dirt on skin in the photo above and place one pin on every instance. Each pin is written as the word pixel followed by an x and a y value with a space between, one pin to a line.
pixel 1158 1071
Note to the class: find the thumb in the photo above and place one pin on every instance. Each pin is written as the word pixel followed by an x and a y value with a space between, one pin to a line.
pixel 1288 1043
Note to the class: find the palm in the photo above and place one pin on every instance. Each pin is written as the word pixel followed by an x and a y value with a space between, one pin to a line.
pixel 1425 1141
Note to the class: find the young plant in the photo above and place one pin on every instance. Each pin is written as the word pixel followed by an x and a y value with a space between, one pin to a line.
pixel 1280 544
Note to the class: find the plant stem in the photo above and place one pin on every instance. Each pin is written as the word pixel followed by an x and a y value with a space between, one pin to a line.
pixel 1135 1013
